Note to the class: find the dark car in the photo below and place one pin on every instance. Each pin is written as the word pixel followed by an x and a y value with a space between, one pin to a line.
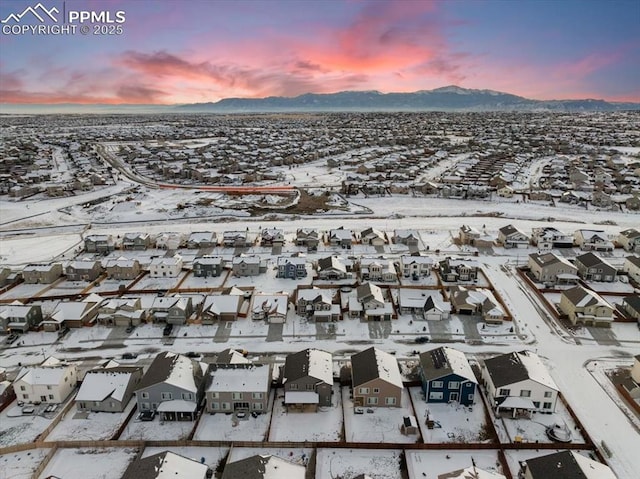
pixel 129 356
pixel 12 338
pixel 129 329
pixel 421 340
pixel 147 415
pixel 192 354
pixel 167 330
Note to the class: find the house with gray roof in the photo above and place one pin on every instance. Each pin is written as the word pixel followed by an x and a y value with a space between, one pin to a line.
pixel 83 270
pixel 631 304
pixel 591 267
pixel 586 307
pixel 446 376
pixel 247 266
pixel 631 266
pixel 341 237
pixel 519 382
pixel 41 273
pixel 202 239
pixel 310 238
pixel 551 269
pixel 108 388
pixel 416 266
pixel 207 266
pixel 376 379
pixel 427 304
pixel 221 307
pixel 564 465
pixel 307 377
pixel 245 387
pixel 263 467
pixel 629 239
pixel 511 237
pixel 335 268
pixel 136 241
pixel 164 465
pixel 317 304
pixel 592 240
pixel 102 244
pixel 369 303
pixel 18 317
pixel 173 386
pixel 122 268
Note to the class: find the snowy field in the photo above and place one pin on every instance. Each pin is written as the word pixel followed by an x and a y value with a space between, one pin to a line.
pixel 18 428
pixel 92 426
pixel 21 465
pixel 349 463
pixel 157 429
pixel 226 427
pixel 322 426
pixel 431 464
pixel 96 463
pixel 456 423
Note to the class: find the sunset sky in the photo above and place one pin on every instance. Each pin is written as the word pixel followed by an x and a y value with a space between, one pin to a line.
pixel 183 51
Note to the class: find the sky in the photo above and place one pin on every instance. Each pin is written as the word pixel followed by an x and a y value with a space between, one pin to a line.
pixel 187 51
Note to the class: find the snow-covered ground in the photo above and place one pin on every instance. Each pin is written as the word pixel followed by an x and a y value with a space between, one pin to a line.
pixel 92 426
pixel 21 465
pixel 348 463
pixel 95 463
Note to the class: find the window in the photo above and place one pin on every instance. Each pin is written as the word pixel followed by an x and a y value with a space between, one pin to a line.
pixel 225 406
pixel 144 395
pixel 49 387
pixel 257 396
pixel 437 384
pixel 372 401
pixel 187 396
pixel 364 390
pixel 470 397
pixel 310 387
pixel 25 396
pixel 257 406
pixel 548 394
pixel 524 393
pixel 376 390
pixel 454 385
pixel 293 387
pixel 435 396
pixel 236 396
pixel 504 392
pixel 166 396
pixel 50 396
pixel 390 401
pixel 536 404
pixel 22 388
pixel 215 395
pixel 96 403
pixel 546 405
pixel 215 406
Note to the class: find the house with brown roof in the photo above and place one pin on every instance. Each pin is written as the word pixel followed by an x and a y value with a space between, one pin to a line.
pixel 591 267
pixel 376 379
pixel 586 307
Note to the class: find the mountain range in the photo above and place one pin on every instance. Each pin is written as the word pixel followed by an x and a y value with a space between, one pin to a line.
pixel 449 98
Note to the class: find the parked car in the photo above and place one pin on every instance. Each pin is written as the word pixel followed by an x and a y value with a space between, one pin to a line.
pixel 129 356
pixel 12 338
pixel 192 354
pixel 129 329
pixel 422 340
pixel 147 415
pixel 358 410
pixel 167 330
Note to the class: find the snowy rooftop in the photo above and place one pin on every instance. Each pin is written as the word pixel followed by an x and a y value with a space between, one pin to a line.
pixel 252 379
pixel 100 384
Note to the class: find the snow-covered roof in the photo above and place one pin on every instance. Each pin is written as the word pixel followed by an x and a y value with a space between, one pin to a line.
pixel 374 363
pixel 443 361
pixel 471 472
pixel 177 405
pixel 309 362
pixel 270 303
pixel 263 467
pixel 251 379
pixel 166 465
pixel 47 375
pixel 100 384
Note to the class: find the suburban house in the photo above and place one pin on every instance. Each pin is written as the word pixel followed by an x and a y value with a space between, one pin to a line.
pixel 102 244
pixel 317 304
pixel 468 235
pixel 378 269
pixel 207 266
pixel 592 240
pixel 271 237
pixel 41 273
pixel 242 388
pixel 519 382
pixel 247 266
pixel 202 239
pixel 632 267
pixel 236 239
pixel 17 317
pixel 564 465
pixel 309 238
pixel 170 241
pixel 587 307
pixel 416 266
pixel 263 467
pixel 163 267
pixel 121 312
pixel 292 267
pixel 372 237
pixel 511 237
pixel 630 240
pixel 631 305
pixel 74 314
pixel 136 241
pixel 409 238
pixel 166 464
pixel 108 389
pixel 270 307
pixel 172 386
pixel 221 307
pixel 369 303
pixel 375 379
pixel 50 382
pixel 454 270
pixel 340 237
pixel 476 302
pixel 428 304
pixel 171 309
pixel 547 238
pixel 446 376
pixel 551 269
pixel 593 268
pixel 83 270
pixel 122 268
pixel 307 377
pixel 334 268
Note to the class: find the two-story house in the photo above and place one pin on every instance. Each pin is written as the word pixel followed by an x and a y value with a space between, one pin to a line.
pixel 270 307
pixel 271 237
pixel 334 268
pixel 446 376
pixel 173 386
pixel 247 266
pixel 592 240
pixel 586 307
pixel 17 317
pixel 240 388
pixel 307 377
pixel 369 303
pixel 207 266
pixel 136 241
pixel 171 309
pixel 455 270
pixel 416 266
pixel 163 267
pixel 377 269
pixel 41 273
pixel 108 388
pixel 309 238
pixel 122 268
pixel 50 382
pixel 102 244
pixel 376 379
pixel 292 267
pixel 317 304
pixel 593 268
pixel 83 270
pixel 551 269
pixel 202 239
pixel 341 237
pixel 410 238
pixel 511 237
pixel 629 239
pixel 519 382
